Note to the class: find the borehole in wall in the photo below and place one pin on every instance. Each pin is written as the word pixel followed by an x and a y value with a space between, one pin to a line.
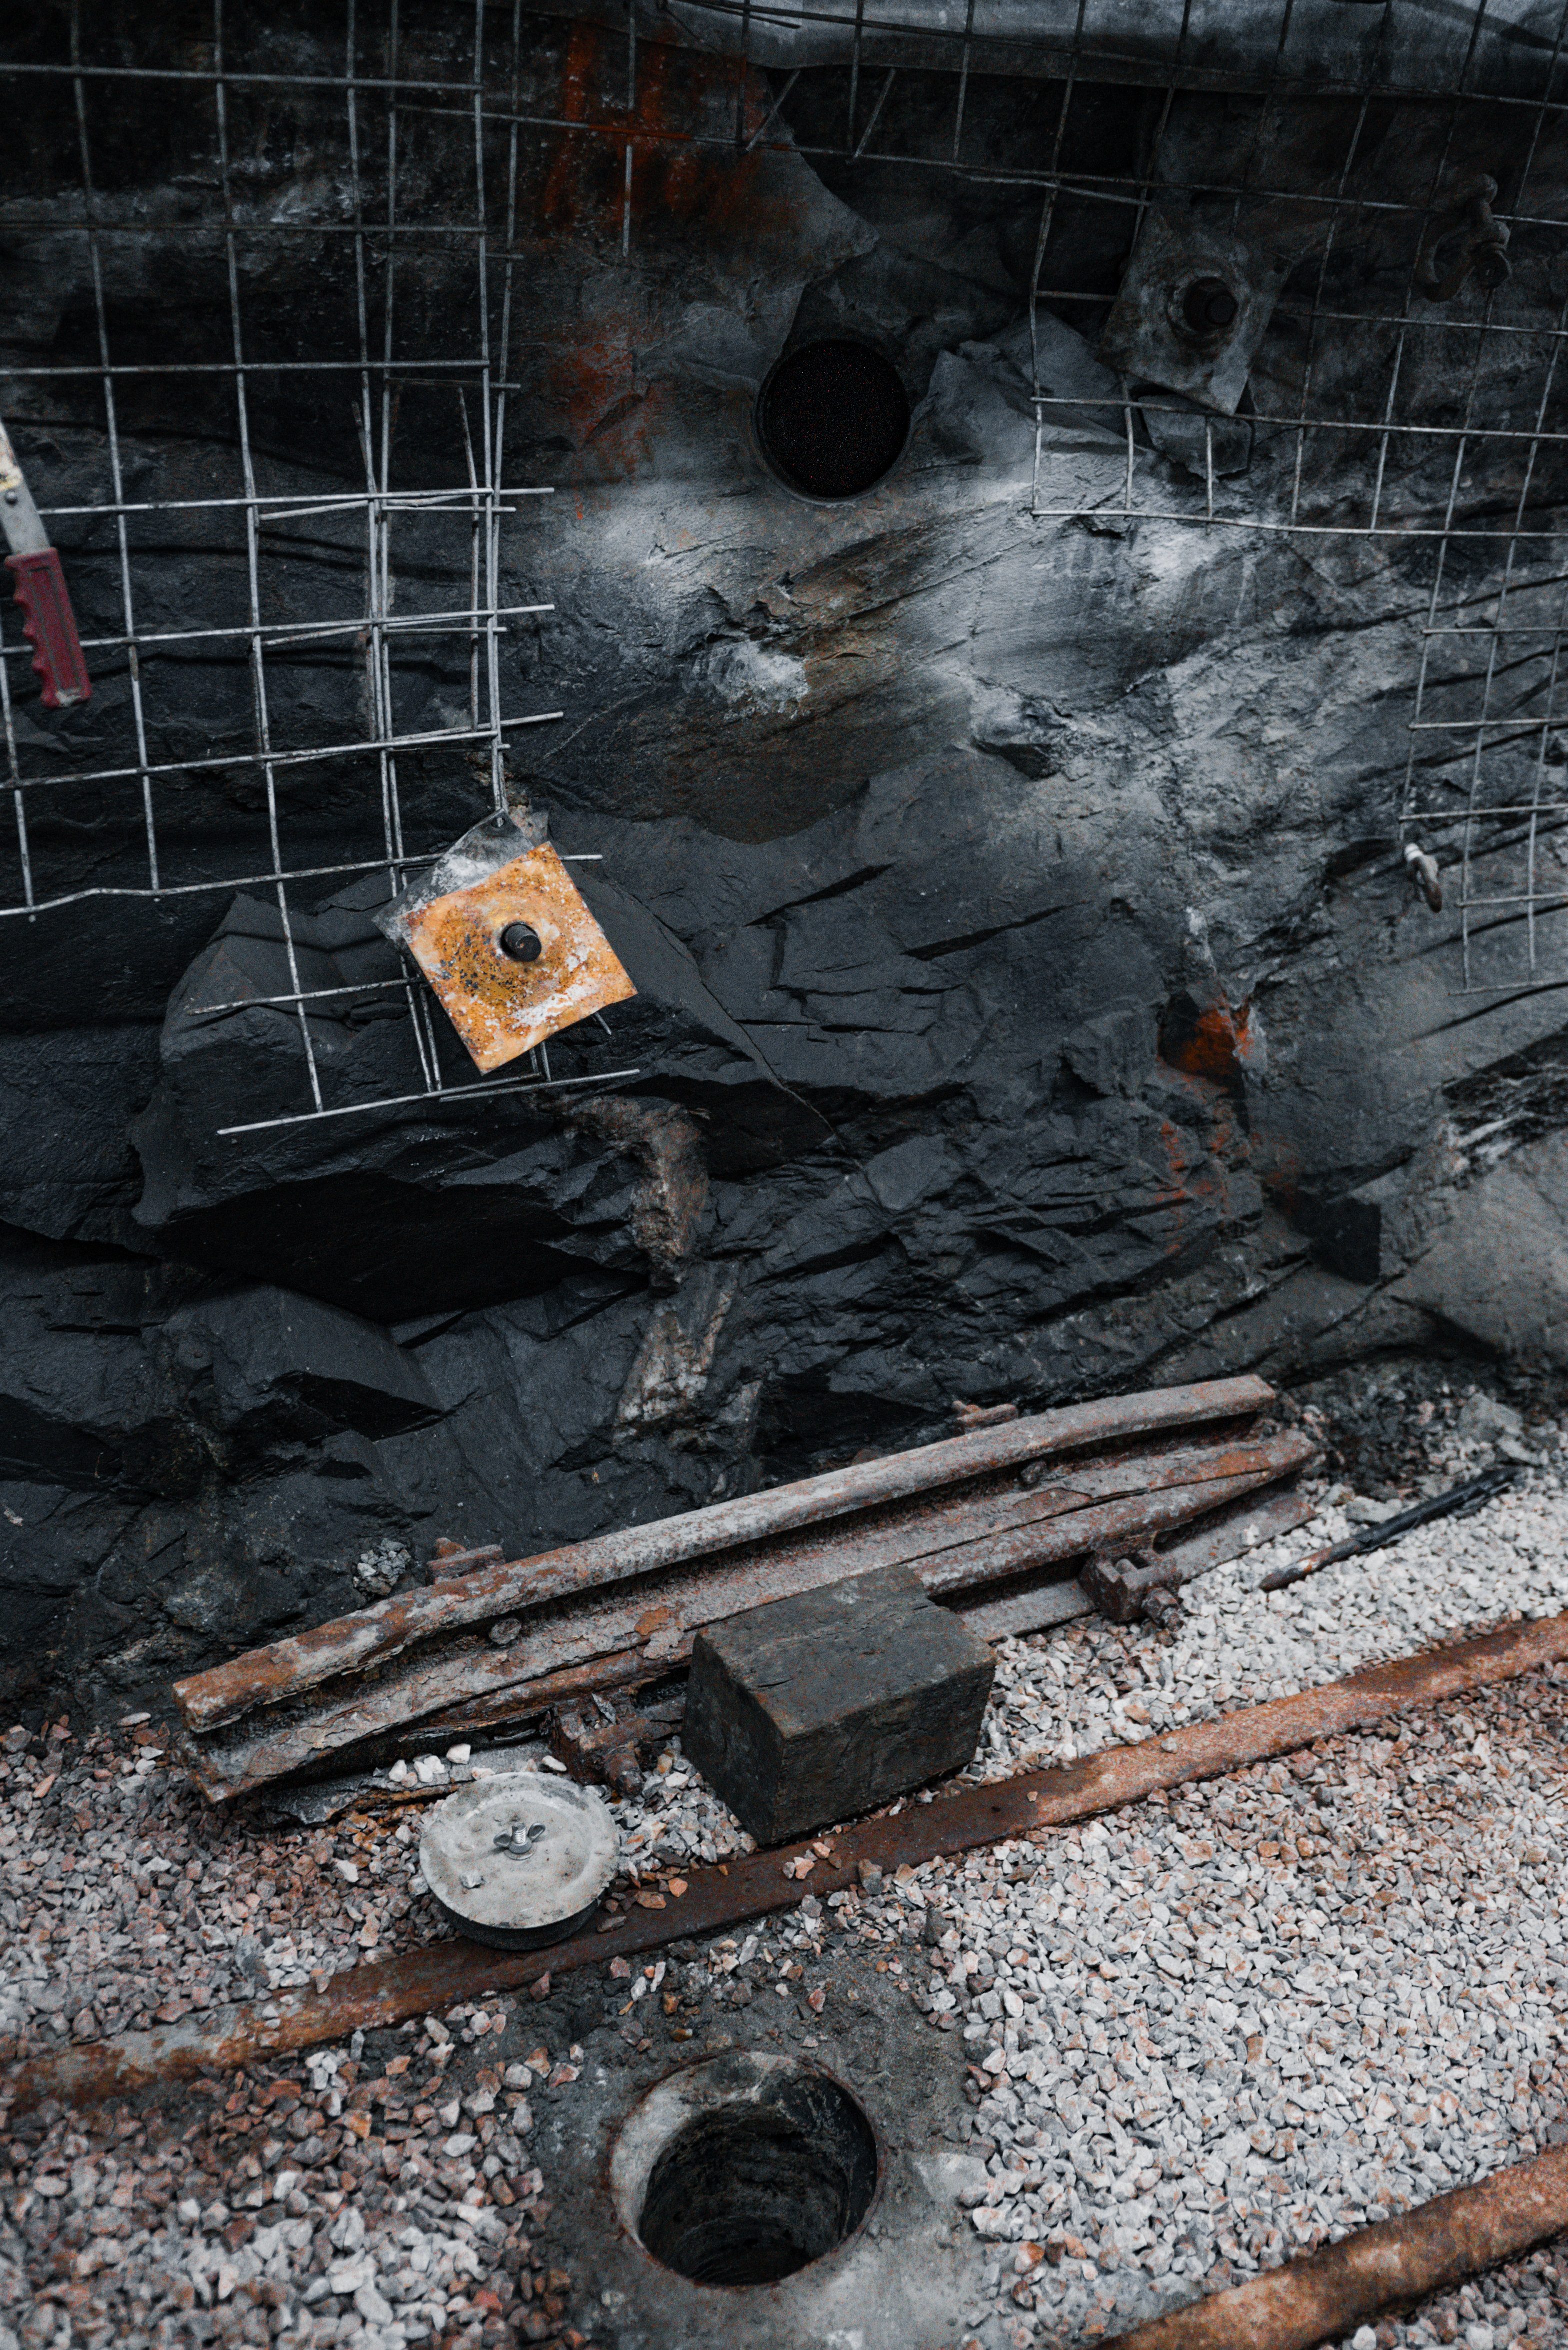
pixel 745 2170
pixel 833 419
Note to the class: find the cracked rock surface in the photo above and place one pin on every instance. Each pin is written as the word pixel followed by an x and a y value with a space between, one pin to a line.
pixel 1032 1000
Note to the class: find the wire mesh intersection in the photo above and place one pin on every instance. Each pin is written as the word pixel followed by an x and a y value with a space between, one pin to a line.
pixel 1374 414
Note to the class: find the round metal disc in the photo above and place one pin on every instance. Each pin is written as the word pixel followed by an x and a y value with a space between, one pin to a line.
pixel 520 1860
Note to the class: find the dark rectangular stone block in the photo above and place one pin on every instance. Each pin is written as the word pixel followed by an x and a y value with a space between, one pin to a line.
pixel 814 1708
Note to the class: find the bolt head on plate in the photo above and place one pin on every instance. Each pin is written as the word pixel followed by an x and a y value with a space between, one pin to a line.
pixel 514 956
pixel 1193 307
pixel 521 942
pixel 1204 308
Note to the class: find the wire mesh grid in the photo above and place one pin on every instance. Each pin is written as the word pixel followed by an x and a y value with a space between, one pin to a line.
pixel 1374 412
pixel 432 541
pixel 1380 413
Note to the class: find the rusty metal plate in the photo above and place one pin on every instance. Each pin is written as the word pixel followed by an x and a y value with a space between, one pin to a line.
pixel 514 957
pixel 1193 307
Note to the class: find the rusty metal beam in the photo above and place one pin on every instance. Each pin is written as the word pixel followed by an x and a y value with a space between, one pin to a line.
pixel 354 1643
pixel 1141 1516
pixel 1023 1604
pixel 1037 1603
pixel 1326 2296
pixel 422 1983
pixel 572 1645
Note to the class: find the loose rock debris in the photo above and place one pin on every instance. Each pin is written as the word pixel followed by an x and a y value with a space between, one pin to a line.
pixel 1200 2036
pixel 377 2203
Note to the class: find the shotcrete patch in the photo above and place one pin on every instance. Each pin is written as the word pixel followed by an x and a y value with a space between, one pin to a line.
pixel 888 2257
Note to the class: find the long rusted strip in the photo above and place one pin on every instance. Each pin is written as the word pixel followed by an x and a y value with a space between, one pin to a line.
pixel 263 1676
pixel 922 1536
pixel 1326 2296
pixel 422 1981
pixel 663 1619
pixel 1138 1519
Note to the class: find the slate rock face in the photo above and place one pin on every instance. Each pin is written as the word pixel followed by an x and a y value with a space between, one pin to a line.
pixel 1487 1249
pixel 184 1439
pixel 1032 1000
pixel 267 1365
pixel 412 1215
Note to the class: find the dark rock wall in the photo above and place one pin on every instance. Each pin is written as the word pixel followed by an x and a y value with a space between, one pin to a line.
pixel 1032 1001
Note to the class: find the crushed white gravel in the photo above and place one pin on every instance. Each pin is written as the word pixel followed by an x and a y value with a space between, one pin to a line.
pixel 1201 2034
pixel 1233 2023
pixel 325 2202
pixel 1260 2013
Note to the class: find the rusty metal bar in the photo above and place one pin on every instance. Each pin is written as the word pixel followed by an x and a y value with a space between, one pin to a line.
pixel 1025 1603
pixel 1142 1515
pixel 1036 1604
pixel 953 1555
pixel 426 1982
pixel 952 1548
pixel 1328 2295
pixel 352 1643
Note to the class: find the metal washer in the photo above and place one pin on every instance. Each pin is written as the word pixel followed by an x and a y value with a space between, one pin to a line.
pixel 520 1861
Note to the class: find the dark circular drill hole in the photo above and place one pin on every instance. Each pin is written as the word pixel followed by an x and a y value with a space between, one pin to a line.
pixel 832 418
pixel 750 2192
pixel 1209 306
pixel 520 942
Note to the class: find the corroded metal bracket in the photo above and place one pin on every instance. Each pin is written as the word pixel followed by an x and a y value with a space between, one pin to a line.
pixel 1193 307
pixel 1122 1587
pixel 501 930
pixel 1465 240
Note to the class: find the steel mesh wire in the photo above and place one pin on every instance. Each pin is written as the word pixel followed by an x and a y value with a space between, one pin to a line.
pixel 1432 425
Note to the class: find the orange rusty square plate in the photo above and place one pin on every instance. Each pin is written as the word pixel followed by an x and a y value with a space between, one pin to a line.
pixel 501 1008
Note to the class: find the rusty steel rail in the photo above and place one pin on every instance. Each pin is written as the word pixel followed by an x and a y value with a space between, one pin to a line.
pixel 571 1647
pixel 376 1634
pixel 1037 1604
pixel 428 1981
pixel 1327 2294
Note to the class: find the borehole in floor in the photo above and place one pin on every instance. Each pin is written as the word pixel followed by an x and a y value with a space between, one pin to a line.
pixel 759 2167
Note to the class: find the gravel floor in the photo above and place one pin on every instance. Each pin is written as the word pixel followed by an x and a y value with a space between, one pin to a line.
pixel 1201 2034
pixel 339 2200
pixel 1231 2024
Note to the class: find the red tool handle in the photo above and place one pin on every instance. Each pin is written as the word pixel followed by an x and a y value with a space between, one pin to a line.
pixel 50 628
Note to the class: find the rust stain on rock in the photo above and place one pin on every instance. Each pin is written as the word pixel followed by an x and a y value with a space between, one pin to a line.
pixel 1217 1043
pixel 681 176
pixel 693 187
